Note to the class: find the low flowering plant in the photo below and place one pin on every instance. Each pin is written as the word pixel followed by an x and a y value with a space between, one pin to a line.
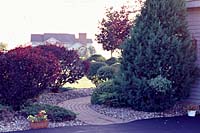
pixel 192 107
pixel 41 116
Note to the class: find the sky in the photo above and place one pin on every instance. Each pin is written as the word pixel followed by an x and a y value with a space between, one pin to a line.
pixel 20 18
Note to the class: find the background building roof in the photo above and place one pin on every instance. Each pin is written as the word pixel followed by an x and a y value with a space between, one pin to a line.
pixel 65 38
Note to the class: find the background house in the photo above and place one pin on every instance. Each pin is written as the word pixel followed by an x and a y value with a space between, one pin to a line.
pixel 69 41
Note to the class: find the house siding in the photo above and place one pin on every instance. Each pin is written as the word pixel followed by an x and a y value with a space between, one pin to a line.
pixel 193 18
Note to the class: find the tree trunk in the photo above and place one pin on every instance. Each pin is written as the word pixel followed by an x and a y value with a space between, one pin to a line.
pixel 112 53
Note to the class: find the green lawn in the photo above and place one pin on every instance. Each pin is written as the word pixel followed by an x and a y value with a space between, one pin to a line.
pixel 82 83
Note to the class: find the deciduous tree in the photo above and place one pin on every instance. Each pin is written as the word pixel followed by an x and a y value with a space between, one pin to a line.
pixel 73 68
pixel 114 28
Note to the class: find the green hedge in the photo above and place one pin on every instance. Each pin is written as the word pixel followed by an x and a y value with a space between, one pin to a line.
pixel 108 94
pixel 105 73
pixel 96 58
pixel 111 61
pixel 153 95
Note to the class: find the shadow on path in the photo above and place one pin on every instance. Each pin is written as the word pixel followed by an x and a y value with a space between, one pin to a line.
pixel 181 124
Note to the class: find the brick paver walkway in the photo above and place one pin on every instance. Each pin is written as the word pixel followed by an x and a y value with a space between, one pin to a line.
pixel 86 114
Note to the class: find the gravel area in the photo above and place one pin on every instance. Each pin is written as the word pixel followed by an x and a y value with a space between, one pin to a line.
pixel 128 114
pixel 55 98
pixel 14 122
pixel 17 123
pixel 20 123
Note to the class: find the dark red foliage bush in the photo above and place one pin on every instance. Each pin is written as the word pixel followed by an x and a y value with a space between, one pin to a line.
pixel 25 73
pixel 73 68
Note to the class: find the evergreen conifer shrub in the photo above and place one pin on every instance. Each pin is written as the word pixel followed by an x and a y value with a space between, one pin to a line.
pixel 159 44
pixel 92 71
pixel 108 94
pixel 105 73
pixel 96 58
pixel 112 61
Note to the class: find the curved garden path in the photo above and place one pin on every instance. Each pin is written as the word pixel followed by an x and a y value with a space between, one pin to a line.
pixel 84 113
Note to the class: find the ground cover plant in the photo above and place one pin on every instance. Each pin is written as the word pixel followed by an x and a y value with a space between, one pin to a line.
pixel 54 113
pixel 103 93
